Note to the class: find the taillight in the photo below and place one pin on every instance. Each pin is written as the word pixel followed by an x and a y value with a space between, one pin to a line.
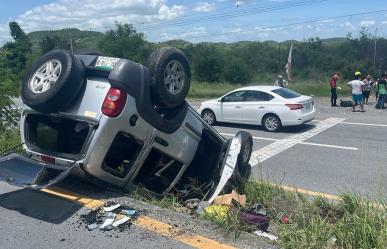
pixel 114 102
pixel 295 106
pixel 48 159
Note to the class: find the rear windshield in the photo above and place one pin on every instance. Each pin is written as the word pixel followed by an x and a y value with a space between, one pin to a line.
pixel 286 93
pixel 56 135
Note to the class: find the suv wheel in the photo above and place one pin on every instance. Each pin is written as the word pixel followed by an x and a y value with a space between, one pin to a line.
pixel 271 123
pixel 53 81
pixel 209 117
pixel 170 77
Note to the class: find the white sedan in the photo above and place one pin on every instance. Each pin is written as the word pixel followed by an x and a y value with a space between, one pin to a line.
pixel 269 106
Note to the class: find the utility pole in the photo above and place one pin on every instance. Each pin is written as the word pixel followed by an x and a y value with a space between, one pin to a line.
pixel 375 39
pixel 71 42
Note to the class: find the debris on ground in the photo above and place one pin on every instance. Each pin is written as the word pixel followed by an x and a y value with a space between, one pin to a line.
pixel 118 218
pixel 265 235
pixel 111 208
pixel 228 199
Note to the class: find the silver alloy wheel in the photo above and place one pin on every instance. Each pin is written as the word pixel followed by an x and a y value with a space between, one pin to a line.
pixel 174 77
pixel 45 76
pixel 271 123
pixel 246 152
pixel 208 117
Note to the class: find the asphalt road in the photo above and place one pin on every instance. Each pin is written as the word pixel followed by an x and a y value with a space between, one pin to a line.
pixel 350 156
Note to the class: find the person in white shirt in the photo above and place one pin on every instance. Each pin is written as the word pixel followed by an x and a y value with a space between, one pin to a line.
pixel 357 91
pixel 281 82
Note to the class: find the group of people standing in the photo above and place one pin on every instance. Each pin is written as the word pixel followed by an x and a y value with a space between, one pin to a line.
pixel 361 89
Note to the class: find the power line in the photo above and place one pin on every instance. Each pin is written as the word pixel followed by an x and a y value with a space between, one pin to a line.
pixel 292 24
pixel 229 15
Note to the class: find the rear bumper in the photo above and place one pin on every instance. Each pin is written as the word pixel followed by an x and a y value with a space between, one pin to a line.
pixel 298 118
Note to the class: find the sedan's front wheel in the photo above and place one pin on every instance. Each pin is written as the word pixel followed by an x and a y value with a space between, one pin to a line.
pixel 209 117
pixel 271 123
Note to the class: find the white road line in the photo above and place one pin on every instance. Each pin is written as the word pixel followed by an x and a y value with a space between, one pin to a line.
pixel 304 143
pixel 330 146
pixel 279 146
pixel 258 138
pixel 365 124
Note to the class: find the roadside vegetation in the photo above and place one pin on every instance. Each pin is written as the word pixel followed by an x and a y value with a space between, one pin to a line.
pixel 352 223
pixel 205 90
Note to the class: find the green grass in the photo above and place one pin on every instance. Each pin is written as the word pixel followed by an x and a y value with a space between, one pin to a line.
pixel 353 223
pixel 215 90
pixel 9 139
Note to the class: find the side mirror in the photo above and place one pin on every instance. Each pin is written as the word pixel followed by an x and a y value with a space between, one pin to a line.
pixel 221 100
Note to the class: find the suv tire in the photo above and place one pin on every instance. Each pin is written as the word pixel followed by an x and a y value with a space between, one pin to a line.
pixel 243 168
pixel 170 77
pixel 53 82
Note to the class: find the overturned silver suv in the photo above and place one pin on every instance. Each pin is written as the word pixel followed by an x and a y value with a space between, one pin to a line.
pixel 120 122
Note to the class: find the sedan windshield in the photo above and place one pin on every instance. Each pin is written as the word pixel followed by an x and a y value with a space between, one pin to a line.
pixel 286 93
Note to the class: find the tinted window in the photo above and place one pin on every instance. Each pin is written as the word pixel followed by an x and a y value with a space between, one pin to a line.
pixel 238 96
pixel 258 96
pixel 286 93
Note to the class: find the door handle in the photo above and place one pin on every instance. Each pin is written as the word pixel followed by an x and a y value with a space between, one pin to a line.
pixel 261 107
pixel 238 107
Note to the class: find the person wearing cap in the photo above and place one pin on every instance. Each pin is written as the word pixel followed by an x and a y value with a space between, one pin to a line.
pixel 281 82
pixel 368 82
pixel 333 85
pixel 357 91
pixel 382 82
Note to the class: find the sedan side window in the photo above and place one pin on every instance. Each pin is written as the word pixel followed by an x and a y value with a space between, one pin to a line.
pixel 238 96
pixel 258 96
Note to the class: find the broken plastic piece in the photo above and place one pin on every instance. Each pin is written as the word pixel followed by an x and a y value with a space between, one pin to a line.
pixel 120 221
pixel 265 235
pixel 109 220
pixel 109 228
pixel 91 227
pixel 111 208
pixel 128 212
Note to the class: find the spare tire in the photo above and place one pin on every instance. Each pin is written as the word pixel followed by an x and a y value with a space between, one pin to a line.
pixel 243 168
pixel 170 77
pixel 53 82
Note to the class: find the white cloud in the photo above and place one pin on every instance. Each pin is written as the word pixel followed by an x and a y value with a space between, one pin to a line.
pixel 204 7
pixel 348 25
pixel 190 34
pixel 94 14
pixel 367 23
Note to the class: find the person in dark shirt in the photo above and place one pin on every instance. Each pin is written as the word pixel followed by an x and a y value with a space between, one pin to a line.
pixel 333 85
pixel 382 82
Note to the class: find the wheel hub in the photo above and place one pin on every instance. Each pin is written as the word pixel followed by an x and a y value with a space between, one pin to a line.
pixel 45 76
pixel 174 77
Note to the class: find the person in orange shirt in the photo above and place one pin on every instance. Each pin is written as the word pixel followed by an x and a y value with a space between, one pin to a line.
pixel 333 84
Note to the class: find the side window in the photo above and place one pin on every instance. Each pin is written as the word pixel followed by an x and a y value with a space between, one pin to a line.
pixel 258 96
pixel 235 97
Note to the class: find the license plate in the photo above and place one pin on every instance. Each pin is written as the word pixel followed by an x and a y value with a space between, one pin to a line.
pixel 106 62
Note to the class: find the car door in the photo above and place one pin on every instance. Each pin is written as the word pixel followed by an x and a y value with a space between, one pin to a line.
pixel 256 104
pixel 231 105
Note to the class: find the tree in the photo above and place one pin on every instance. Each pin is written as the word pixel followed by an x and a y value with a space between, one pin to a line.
pixel 236 71
pixel 124 41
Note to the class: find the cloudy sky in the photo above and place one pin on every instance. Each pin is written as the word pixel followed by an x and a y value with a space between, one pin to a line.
pixel 195 21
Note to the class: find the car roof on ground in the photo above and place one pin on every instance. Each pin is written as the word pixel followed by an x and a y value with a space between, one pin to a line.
pixel 259 88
